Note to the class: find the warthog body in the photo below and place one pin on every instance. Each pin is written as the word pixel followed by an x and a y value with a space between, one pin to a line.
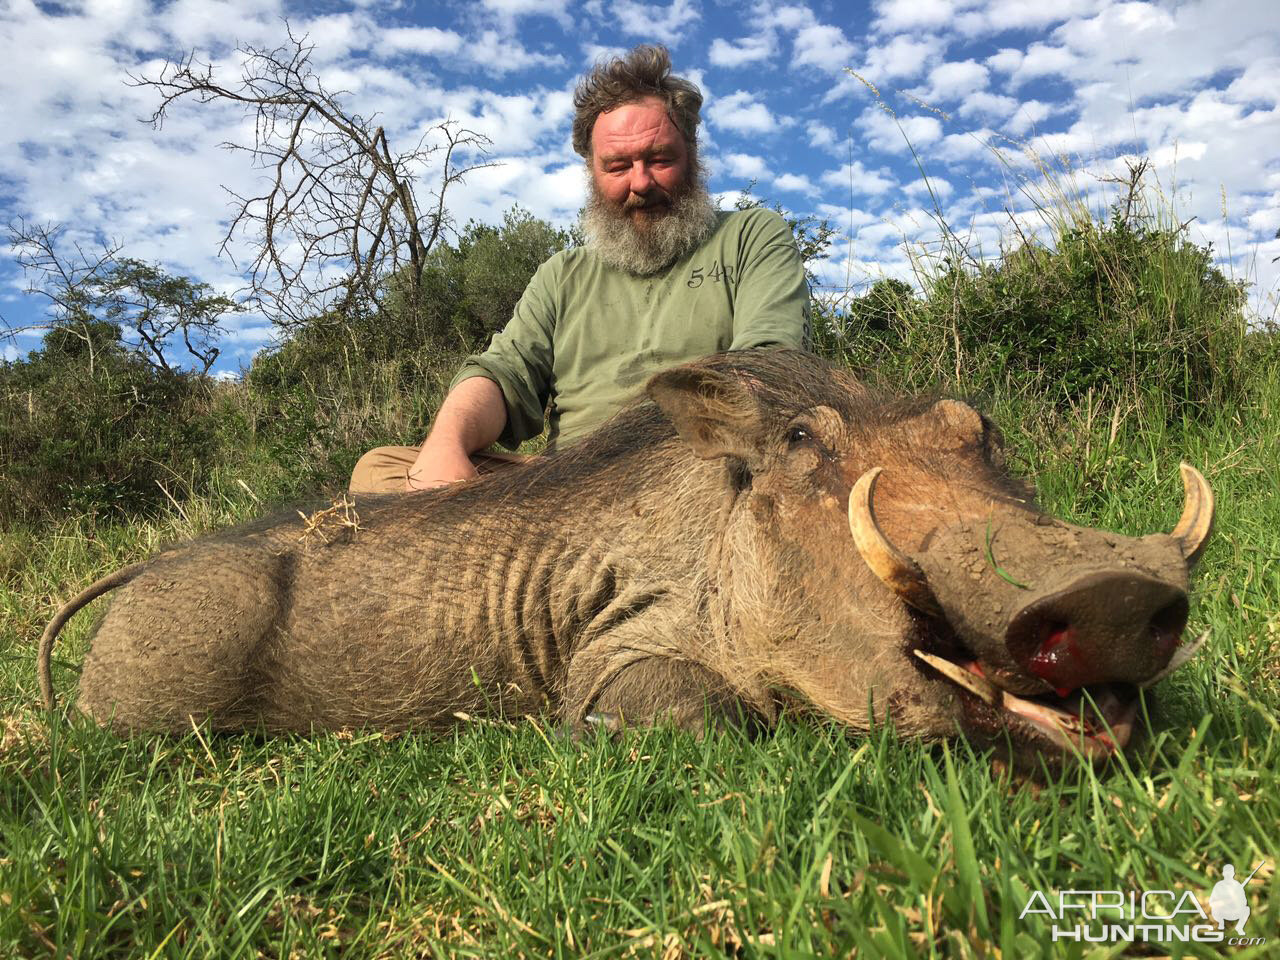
pixel 763 531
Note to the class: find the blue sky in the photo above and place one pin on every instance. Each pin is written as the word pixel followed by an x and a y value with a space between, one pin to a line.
pixel 1080 83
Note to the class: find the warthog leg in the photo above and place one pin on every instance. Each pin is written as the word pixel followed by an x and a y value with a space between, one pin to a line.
pixel 662 690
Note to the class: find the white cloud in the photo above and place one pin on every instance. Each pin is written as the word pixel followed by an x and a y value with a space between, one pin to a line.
pixel 489 50
pixel 857 178
pixel 740 113
pixel 824 47
pixel 823 137
pixel 508 11
pixel 921 188
pixel 1028 115
pixel 1000 16
pixel 986 104
pixel 902 57
pixel 427 41
pixel 897 134
pixel 594 53
pixel 745 166
pixel 653 21
pixel 1005 60
pixel 895 15
pixel 794 183
pixel 953 81
pixel 747 50
pixel 788 17
pixel 1257 84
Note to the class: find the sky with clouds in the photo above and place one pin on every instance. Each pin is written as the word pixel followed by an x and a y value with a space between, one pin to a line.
pixel 880 117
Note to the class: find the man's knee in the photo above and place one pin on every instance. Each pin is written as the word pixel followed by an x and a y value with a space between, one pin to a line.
pixel 383 470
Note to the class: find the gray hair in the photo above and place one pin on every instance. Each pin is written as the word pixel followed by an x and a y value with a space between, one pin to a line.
pixel 642 72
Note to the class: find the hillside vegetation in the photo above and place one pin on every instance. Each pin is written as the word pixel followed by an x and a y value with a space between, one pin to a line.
pixel 1107 352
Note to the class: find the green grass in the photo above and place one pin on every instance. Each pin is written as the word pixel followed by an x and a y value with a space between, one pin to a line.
pixel 509 840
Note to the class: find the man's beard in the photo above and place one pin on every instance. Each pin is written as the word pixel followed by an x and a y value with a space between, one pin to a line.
pixel 645 235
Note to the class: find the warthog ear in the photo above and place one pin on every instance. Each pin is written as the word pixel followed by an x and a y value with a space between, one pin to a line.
pixel 716 413
pixel 959 425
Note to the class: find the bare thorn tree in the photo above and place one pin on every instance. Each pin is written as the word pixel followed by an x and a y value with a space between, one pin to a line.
pixel 339 214
pixel 66 282
pixel 151 307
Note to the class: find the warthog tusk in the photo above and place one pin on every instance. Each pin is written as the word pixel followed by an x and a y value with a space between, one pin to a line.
pixel 1193 527
pixel 1180 656
pixel 980 686
pixel 895 569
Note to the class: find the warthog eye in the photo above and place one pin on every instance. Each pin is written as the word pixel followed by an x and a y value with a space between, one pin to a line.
pixel 797 435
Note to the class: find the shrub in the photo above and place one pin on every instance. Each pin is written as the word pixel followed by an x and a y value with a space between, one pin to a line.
pixel 89 427
pixel 1126 306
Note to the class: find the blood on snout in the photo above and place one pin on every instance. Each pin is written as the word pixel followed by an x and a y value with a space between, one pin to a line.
pixel 1059 661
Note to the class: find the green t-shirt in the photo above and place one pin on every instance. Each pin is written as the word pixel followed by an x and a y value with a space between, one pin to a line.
pixel 585 336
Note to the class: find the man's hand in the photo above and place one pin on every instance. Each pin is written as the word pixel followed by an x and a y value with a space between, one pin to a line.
pixel 471 417
pixel 439 464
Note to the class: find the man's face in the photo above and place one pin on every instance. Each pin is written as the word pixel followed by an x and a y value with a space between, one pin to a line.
pixel 639 160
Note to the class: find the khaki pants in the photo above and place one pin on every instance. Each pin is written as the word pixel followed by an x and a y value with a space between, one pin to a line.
pixel 386 469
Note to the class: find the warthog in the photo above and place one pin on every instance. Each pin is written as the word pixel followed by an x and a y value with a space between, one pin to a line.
pixel 762 532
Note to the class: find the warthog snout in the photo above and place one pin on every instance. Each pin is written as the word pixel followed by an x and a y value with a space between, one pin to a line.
pixel 1103 627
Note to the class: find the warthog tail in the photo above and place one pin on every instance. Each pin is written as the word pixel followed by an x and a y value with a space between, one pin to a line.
pixel 69 610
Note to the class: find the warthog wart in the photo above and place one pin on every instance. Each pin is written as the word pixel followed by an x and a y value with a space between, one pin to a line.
pixel 763 532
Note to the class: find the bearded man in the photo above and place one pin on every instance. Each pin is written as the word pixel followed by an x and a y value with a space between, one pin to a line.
pixel 663 278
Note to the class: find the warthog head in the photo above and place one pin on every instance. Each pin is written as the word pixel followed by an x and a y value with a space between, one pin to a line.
pixel 878 561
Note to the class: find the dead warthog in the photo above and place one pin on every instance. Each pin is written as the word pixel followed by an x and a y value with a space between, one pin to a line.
pixel 764 532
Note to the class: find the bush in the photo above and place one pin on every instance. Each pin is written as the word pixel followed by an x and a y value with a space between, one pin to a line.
pixel 471 288
pixel 89 427
pixel 1126 307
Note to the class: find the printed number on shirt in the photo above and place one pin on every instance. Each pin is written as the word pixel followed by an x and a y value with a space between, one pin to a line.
pixel 717 274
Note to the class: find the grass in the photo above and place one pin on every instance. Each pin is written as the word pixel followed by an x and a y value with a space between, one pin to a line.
pixel 509 840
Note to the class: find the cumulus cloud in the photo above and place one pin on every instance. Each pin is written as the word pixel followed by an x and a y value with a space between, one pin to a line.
pixel 1000 16
pixel 508 11
pixel 823 137
pixel 1257 84
pixel 745 166
pixel 823 46
pixel 986 104
pixel 1192 85
pixel 668 24
pixel 897 134
pixel 742 113
pixel 925 187
pixel 1028 114
pixel 901 58
pixel 735 54
pixel 858 179
pixel 895 15
pixel 793 183
pixel 953 81
pixel 424 41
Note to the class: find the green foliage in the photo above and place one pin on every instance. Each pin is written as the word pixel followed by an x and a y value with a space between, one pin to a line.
pixel 1127 307
pixel 340 385
pixel 89 427
pixel 470 288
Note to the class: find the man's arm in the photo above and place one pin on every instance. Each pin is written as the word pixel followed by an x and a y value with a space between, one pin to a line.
pixel 472 417
pixel 771 301
pixel 498 395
